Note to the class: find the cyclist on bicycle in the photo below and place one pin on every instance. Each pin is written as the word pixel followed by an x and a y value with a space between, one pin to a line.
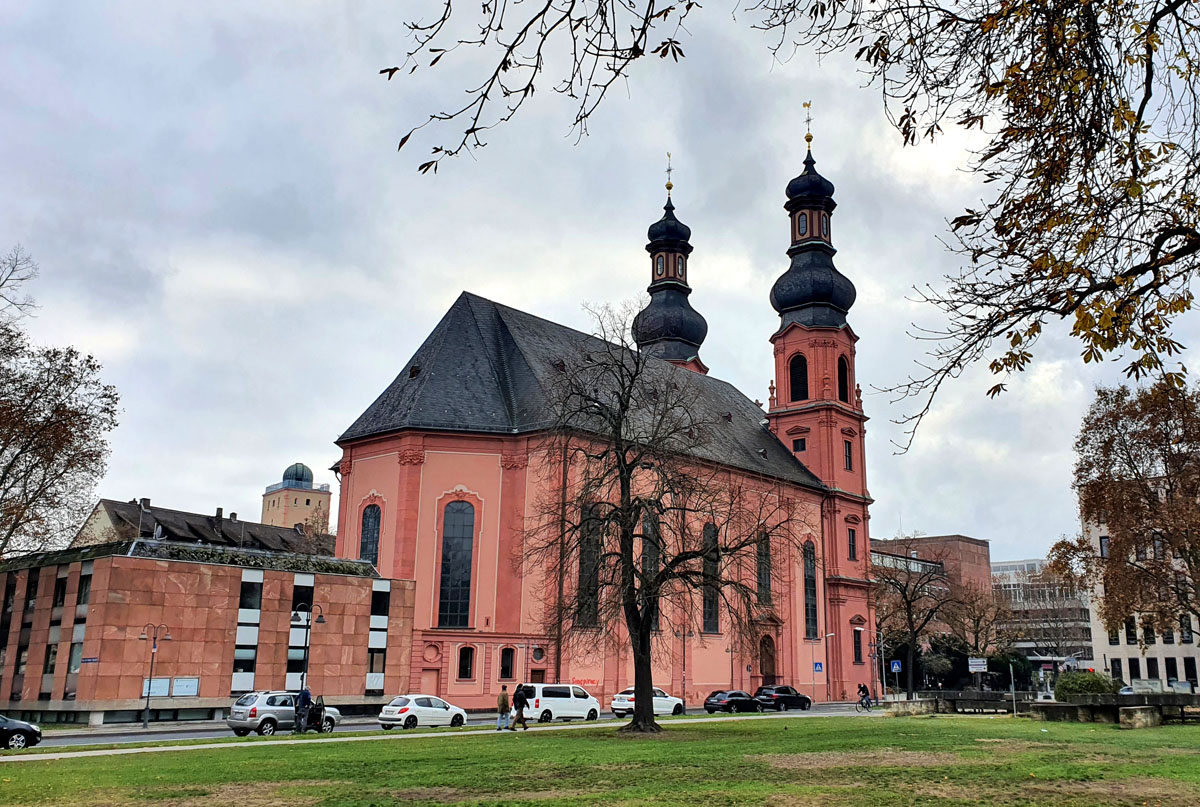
pixel 864 696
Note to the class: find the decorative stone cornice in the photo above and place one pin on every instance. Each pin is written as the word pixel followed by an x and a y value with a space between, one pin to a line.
pixel 513 461
pixel 344 467
pixel 411 456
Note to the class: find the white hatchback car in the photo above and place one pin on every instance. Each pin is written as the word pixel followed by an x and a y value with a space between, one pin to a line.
pixel 411 711
pixel 559 702
pixel 664 704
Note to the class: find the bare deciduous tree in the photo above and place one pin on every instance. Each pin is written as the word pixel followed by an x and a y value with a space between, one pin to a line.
pixel 1089 110
pixel 911 594
pixel 638 524
pixel 979 620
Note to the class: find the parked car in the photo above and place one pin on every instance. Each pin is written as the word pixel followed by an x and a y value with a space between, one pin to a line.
pixel 415 710
pixel 731 700
pixel 664 704
pixel 782 698
pixel 17 734
pixel 559 701
pixel 269 712
pixel 1125 690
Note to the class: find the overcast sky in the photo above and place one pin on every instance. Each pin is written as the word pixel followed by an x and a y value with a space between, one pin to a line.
pixel 220 215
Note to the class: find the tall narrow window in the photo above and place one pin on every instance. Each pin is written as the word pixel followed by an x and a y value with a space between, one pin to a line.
pixel 712 556
pixel 798 377
pixel 587 614
pixel 764 568
pixel 843 380
pixel 458 538
pixel 810 591
pixel 858 654
pixel 852 543
pixel 1130 631
pixel 368 539
pixel 651 560
pixel 1135 669
pixel 507 657
pixel 466 663
pixel 1116 670
pixel 1185 629
pixel 1104 546
pixel 802 223
pixel 848 454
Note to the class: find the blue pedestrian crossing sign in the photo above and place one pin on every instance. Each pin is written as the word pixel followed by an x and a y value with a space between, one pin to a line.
pixel 818 667
pixel 896 666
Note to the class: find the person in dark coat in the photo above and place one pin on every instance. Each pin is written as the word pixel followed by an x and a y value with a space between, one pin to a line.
pixel 520 704
pixel 303 707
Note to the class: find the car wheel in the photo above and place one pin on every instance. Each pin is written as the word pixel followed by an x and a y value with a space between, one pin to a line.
pixel 710 711
pixel 781 707
pixel 266 728
pixel 545 717
pixel 410 722
pixel 327 725
pixel 678 710
pixel 456 721
pixel 805 705
pixel 592 714
pixel 241 732
pixel 17 740
pixel 386 726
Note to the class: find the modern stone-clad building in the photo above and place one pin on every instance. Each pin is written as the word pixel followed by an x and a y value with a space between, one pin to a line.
pixel 71 621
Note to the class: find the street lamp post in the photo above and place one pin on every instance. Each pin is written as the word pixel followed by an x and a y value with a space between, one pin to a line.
pixel 296 620
pixel 151 632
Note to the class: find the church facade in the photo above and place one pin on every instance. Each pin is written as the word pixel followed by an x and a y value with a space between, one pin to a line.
pixel 440 475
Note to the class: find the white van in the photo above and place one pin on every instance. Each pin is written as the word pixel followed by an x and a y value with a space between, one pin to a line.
pixel 559 702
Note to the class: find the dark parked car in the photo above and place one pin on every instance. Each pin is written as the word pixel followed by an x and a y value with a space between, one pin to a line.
pixel 18 734
pixel 731 700
pixel 782 698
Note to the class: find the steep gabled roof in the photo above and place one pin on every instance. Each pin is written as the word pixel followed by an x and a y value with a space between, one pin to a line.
pixel 486 368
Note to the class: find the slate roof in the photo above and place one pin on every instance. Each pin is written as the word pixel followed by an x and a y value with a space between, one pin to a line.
pixel 485 368
pixel 164 524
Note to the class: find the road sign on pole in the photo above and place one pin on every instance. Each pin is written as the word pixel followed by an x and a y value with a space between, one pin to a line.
pixel 896 666
pixel 818 667
pixel 977 665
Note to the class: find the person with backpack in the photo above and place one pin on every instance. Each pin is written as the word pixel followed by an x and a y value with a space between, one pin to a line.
pixel 520 703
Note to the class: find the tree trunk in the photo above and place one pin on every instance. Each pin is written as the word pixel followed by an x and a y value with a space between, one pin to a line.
pixel 643 682
pixel 911 659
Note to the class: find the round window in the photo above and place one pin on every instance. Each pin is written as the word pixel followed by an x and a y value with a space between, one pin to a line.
pixel 539 653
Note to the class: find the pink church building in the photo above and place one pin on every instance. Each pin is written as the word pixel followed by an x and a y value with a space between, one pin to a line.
pixel 439 475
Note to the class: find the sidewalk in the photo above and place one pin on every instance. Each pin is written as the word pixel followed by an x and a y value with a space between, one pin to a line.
pixel 171 727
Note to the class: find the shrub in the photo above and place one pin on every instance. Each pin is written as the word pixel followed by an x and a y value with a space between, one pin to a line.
pixel 1084 683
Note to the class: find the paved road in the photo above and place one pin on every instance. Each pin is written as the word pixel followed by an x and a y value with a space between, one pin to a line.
pixel 350 737
pixel 350 726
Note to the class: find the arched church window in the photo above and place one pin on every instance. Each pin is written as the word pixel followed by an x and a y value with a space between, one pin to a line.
pixel 368 537
pixel 843 379
pixel 659 266
pixel 466 663
pixel 507 656
pixel 802 223
pixel 763 558
pixel 825 224
pixel 810 591
pixel 679 266
pixel 458 538
pixel 798 377
pixel 712 556
pixel 587 613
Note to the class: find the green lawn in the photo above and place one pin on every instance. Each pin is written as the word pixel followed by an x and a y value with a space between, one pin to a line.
pixel 830 762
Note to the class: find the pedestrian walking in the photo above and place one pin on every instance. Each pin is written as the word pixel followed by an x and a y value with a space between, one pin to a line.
pixel 520 702
pixel 502 708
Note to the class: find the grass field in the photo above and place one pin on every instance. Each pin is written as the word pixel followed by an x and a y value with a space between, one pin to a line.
pixel 831 762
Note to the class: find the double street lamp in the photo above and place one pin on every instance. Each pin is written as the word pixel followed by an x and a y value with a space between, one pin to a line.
pixel 151 632
pixel 306 608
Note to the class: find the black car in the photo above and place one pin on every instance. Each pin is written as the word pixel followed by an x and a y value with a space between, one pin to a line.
pixel 782 698
pixel 17 734
pixel 731 700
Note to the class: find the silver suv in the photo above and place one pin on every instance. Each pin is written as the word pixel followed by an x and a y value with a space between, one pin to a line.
pixel 269 712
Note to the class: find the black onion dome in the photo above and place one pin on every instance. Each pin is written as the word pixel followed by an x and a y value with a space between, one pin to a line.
pixel 670 316
pixel 812 291
pixel 809 183
pixel 669 228
pixel 298 472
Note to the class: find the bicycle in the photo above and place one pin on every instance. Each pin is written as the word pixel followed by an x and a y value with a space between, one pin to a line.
pixel 863 704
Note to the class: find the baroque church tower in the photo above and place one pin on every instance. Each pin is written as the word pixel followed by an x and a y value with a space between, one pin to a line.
pixel 669 327
pixel 816 408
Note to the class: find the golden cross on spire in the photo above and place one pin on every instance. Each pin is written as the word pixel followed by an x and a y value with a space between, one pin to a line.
pixel 669 185
pixel 808 124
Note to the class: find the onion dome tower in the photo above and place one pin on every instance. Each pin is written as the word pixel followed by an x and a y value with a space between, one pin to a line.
pixel 812 291
pixel 669 327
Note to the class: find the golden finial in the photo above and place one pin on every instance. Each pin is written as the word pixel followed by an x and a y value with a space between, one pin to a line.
pixel 669 185
pixel 808 124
